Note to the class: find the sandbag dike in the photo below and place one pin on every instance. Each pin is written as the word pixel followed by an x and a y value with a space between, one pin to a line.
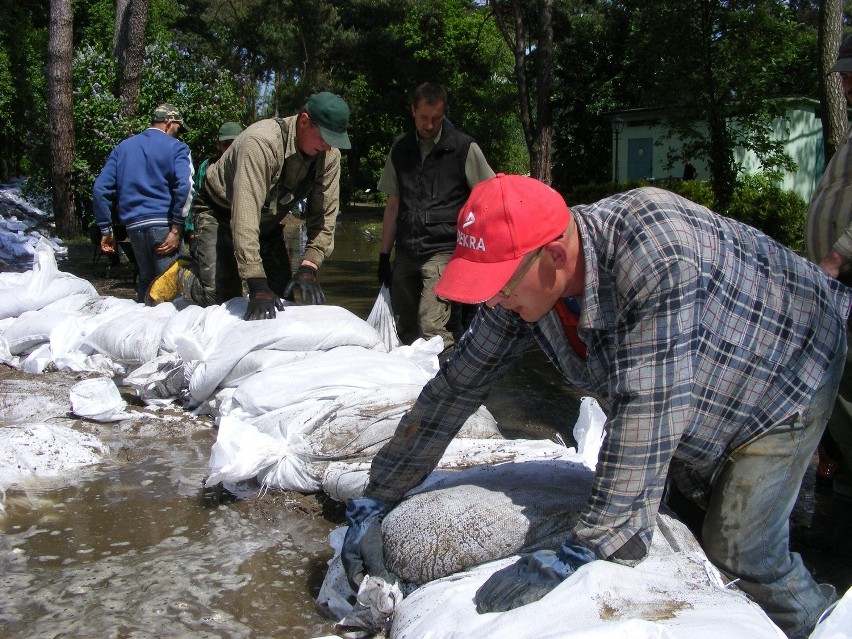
pixel 674 593
pixel 314 386
pixel 446 540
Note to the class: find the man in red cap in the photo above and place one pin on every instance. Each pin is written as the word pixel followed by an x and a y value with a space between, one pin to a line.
pixel 715 350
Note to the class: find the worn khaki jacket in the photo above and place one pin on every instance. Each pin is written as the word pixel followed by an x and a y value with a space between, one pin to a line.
pixel 261 177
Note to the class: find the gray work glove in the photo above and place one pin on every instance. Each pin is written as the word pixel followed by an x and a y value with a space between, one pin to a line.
pixel 262 300
pixel 530 578
pixel 363 550
pixel 306 279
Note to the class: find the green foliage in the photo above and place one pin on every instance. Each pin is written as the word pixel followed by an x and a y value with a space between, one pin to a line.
pixel 589 53
pixel 7 91
pixel 396 46
pixel 24 130
pixel 720 64
pixel 698 191
pixel 759 202
pixel 206 94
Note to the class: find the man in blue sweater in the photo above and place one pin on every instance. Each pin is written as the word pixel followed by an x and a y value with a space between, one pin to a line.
pixel 147 180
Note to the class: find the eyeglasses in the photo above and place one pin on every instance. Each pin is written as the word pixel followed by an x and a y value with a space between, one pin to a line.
pixel 512 284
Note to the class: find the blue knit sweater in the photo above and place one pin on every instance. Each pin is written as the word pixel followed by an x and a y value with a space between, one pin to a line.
pixel 148 177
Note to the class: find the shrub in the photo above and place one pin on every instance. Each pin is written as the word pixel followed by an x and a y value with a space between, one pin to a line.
pixel 757 201
pixel 780 214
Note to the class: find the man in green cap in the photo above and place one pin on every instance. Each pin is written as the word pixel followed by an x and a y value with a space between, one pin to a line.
pixel 272 166
pixel 228 132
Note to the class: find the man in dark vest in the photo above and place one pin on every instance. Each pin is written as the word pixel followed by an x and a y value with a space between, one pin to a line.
pixel 428 175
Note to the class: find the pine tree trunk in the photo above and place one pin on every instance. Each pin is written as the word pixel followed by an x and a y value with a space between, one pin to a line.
pixel 60 105
pixel 834 118
pixel 128 50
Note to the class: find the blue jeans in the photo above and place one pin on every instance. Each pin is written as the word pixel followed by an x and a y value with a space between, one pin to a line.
pixel 746 529
pixel 149 263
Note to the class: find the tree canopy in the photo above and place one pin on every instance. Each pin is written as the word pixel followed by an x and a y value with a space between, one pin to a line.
pixel 534 81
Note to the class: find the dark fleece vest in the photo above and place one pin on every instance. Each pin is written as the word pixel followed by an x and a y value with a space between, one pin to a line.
pixel 430 193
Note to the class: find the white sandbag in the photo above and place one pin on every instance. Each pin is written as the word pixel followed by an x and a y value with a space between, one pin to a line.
pixel 381 318
pixel 6 356
pixel 343 480
pixel 310 433
pixel 261 360
pixel 357 424
pixel 32 328
pixel 37 360
pixel 44 450
pixel 35 289
pixel 132 337
pixel 423 353
pixel 69 347
pixel 837 624
pixel 159 381
pixel 484 514
pixel 187 321
pixel 195 331
pixel 74 302
pixel 241 452
pixel 297 328
pixel 674 593
pixel 327 375
pixel 98 399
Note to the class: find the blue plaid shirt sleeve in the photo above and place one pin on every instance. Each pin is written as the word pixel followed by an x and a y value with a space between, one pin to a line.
pixel 650 358
pixel 495 340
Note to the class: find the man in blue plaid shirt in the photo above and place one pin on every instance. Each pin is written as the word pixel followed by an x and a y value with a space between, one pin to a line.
pixel 717 350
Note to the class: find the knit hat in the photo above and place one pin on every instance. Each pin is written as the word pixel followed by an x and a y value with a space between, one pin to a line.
pixel 331 114
pixel 504 218
pixel 229 131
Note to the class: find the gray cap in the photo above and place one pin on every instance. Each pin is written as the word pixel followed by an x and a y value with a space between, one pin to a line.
pixel 844 57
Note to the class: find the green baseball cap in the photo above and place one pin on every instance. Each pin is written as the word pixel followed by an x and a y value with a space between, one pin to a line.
pixel 166 112
pixel 229 131
pixel 331 114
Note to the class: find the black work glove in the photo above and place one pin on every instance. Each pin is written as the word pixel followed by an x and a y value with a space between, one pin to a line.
pixel 306 278
pixel 363 550
pixel 530 578
pixel 385 270
pixel 262 300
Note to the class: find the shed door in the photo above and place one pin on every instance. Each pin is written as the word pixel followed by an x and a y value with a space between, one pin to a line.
pixel 640 158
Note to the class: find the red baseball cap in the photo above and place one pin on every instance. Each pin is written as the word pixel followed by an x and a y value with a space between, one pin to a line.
pixel 504 218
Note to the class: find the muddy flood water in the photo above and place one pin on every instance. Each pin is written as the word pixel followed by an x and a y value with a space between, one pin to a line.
pixel 129 548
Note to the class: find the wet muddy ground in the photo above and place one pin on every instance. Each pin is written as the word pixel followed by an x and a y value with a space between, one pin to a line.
pixel 130 548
